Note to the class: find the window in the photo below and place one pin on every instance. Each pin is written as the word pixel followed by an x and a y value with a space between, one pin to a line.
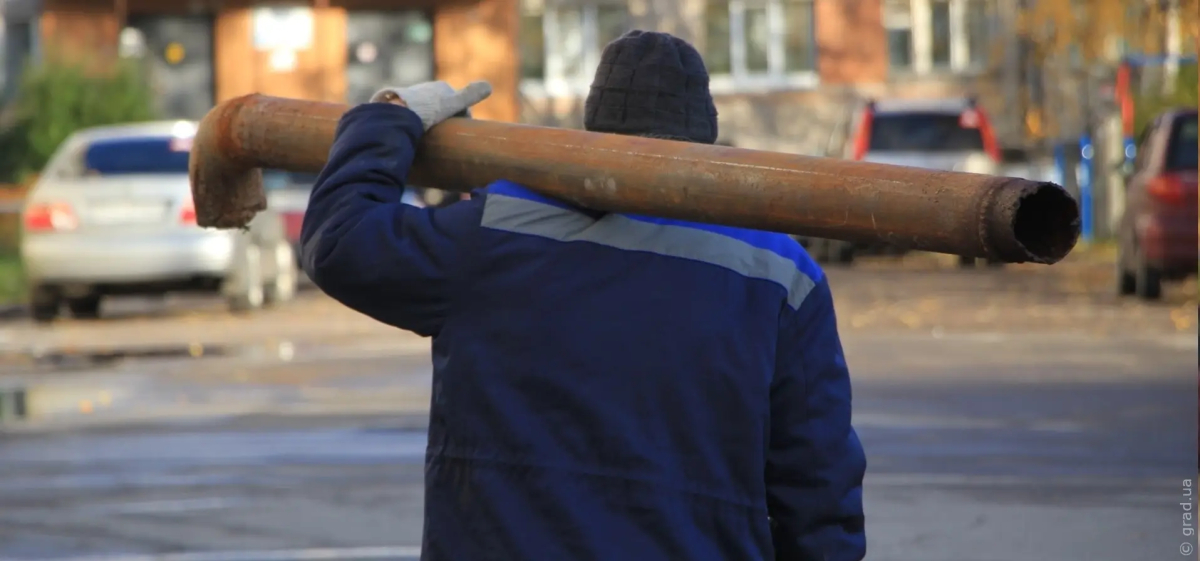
pixel 560 44
pixel 717 48
pixel 1182 149
pixel 4 76
pixel 570 42
pixel 897 21
pixel 612 21
pixel 757 43
pixel 800 48
pixel 978 27
pixel 19 44
pixel 923 132
pixel 149 155
pixel 758 39
pixel 939 16
pixel 532 47
pixel 941 35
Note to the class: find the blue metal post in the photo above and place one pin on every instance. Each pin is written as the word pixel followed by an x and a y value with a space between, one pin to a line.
pixel 1086 154
pixel 1060 164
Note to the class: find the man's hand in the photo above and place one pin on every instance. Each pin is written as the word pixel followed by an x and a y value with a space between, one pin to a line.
pixel 435 102
pixel 389 96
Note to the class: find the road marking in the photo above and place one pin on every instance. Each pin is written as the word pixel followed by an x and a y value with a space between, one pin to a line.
pixel 895 421
pixel 341 553
pixel 915 479
pixel 1183 339
pixel 159 507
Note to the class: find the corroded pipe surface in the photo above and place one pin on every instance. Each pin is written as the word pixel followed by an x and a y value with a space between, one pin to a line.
pixel 1013 220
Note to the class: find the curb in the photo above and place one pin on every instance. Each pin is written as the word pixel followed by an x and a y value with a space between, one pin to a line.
pixel 30 406
pixel 14 404
pixel 12 312
pixel 415 417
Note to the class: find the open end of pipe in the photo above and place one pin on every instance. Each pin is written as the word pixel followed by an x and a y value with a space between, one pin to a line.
pixel 1046 223
pixel 227 192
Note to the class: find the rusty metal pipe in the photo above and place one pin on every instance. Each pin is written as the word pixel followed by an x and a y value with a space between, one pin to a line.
pixel 1008 219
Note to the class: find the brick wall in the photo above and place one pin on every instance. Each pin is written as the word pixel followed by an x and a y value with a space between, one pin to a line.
pixel 473 39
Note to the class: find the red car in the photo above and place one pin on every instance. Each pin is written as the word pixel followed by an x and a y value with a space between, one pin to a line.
pixel 287 193
pixel 1157 235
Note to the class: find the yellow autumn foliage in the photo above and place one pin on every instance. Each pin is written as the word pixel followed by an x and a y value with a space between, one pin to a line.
pixel 1099 28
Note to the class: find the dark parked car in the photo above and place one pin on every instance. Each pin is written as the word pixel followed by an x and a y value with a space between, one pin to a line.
pixel 1157 234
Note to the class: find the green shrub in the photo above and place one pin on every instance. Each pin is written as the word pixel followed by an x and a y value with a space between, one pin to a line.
pixel 61 96
pixel 1185 94
pixel 12 280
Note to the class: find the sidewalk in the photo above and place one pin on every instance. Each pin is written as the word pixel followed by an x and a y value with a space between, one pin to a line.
pixel 370 378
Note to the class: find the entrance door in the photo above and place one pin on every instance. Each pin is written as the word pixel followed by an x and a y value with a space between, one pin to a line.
pixel 179 52
pixel 393 48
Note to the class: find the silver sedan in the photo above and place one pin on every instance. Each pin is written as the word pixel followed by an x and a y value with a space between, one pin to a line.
pixel 112 214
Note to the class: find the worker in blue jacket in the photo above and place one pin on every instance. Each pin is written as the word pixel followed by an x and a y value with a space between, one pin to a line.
pixel 606 386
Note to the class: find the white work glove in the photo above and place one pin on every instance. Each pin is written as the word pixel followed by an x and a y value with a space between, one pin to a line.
pixel 435 102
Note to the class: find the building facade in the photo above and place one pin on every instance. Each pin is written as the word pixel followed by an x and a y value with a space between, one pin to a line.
pixel 786 74
pixel 205 51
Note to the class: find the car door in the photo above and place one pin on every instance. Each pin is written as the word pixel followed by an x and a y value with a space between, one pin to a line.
pixel 1135 183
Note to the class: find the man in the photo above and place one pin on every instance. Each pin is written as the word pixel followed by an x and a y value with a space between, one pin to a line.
pixel 606 386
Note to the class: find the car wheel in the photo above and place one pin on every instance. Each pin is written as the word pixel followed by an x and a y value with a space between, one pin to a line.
pixel 244 287
pixel 819 250
pixel 44 304
pixel 966 262
pixel 1126 280
pixel 86 307
pixel 282 287
pixel 845 253
pixel 1147 279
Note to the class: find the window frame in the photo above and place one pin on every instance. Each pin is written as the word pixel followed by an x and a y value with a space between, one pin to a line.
pixel 29 40
pixel 1177 122
pixel 1142 151
pixel 553 83
pixel 741 80
pixel 922 38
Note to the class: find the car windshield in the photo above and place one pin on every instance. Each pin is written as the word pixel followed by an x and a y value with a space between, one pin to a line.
pixel 923 132
pixel 141 155
pixel 279 180
pixel 1181 155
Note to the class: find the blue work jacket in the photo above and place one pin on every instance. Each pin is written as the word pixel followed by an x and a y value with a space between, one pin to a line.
pixel 606 386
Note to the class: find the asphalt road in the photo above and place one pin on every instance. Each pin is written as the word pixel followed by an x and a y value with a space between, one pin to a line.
pixel 299 434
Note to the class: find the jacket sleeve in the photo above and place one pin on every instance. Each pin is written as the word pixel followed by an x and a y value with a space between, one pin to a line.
pixel 362 246
pixel 815 463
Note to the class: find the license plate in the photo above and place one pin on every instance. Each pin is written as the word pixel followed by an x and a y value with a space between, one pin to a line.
pixel 127 213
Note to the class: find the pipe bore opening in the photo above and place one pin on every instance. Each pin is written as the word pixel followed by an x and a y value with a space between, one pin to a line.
pixel 1047 223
